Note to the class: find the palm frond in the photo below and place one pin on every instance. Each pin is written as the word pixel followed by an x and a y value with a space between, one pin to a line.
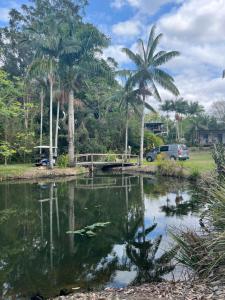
pixel 141 43
pixel 165 57
pixel 151 39
pixel 166 84
pixel 153 47
pixel 134 57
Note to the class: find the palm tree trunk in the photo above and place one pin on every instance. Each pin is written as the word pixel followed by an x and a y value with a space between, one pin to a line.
pixel 56 131
pixel 50 125
pixel 126 134
pixel 41 125
pixel 142 132
pixel 71 128
pixel 71 217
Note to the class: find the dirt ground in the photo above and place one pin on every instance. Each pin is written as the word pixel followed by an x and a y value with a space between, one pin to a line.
pixel 162 291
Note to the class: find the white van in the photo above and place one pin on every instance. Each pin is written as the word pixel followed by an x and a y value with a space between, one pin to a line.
pixel 173 151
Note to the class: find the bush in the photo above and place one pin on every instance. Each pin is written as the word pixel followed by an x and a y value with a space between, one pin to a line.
pixel 218 155
pixel 195 175
pixel 170 168
pixel 204 253
pixel 151 140
pixel 63 161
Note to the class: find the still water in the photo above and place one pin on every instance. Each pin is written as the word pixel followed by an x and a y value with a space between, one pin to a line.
pixel 89 233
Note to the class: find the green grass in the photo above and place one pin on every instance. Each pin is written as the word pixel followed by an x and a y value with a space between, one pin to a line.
pixel 13 170
pixel 200 161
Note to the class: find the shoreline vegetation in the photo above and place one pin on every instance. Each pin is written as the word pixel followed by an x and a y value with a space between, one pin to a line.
pixel 22 172
pixel 199 165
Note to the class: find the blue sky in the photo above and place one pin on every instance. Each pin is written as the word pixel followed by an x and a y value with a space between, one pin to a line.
pixel 193 27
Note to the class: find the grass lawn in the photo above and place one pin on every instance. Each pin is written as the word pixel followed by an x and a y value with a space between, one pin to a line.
pixel 11 170
pixel 199 160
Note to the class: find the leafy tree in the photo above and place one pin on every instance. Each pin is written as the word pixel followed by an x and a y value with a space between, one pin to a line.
pixel 6 151
pixel 148 73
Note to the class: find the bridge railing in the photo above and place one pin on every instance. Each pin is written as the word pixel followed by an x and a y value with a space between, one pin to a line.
pixel 106 157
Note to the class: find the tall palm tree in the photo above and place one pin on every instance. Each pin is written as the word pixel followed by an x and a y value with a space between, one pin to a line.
pixel 129 98
pixel 48 48
pixel 148 73
pixel 167 107
pixel 78 62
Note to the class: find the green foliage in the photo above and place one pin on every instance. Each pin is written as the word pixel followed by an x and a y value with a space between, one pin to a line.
pixel 218 155
pixel 204 253
pixel 195 174
pixel 6 151
pixel 167 167
pixel 91 230
pixel 63 161
pixel 151 140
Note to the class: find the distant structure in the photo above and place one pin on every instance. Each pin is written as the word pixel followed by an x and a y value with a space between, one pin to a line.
pixel 209 137
pixel 155 127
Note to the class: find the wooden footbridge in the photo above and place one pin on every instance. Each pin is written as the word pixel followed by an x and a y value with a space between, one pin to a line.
pixel 105 161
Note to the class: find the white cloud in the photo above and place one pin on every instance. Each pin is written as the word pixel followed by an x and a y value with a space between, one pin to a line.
pixel 127 28
pixel 195 31
pixel 115 52
pixel 147 7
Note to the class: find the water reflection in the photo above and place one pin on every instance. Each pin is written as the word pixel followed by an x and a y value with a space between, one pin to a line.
pixel 38 255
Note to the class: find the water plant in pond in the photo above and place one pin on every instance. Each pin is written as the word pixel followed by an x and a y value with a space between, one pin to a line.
pixel 91 230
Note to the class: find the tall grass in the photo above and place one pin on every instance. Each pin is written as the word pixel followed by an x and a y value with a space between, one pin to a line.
pixel 204 251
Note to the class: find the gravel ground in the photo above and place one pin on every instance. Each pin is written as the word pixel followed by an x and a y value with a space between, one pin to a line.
pixel 176 291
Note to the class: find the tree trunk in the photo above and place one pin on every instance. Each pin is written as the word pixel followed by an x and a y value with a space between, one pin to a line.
pixel 71 128
pixel 50 125
pixel 126 134
pixel 56 131
pixel 41 125
pixel 142 132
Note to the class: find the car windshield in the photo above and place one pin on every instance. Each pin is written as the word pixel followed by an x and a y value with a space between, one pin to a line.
pixel 184 147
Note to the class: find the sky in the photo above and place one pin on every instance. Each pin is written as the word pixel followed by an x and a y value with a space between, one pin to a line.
pixel 196 28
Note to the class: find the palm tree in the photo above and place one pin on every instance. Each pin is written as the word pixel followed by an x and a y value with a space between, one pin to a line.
pixel 129 98
pixel 148 73
pixel 78 62
pixel 167 107
pixel 48 48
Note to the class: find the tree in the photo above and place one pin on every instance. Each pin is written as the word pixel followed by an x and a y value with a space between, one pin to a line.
pixel 148 73
pixel 129 99
pixel 78 62
pixel 217 110
pixel 167 107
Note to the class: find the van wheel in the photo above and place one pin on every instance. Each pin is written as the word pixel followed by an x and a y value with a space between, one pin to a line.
pixel 172 158
pixel 149 159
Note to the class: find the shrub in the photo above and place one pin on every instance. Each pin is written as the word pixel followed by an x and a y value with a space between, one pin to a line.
pixel 218 155
pixel 63 161
pixel 195 174
pixel 204 253
pixel 151 140
pixel 170 168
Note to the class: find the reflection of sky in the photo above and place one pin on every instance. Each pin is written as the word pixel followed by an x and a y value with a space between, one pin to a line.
pixel 154 214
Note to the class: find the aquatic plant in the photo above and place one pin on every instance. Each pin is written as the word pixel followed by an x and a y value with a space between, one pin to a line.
pixel 90 231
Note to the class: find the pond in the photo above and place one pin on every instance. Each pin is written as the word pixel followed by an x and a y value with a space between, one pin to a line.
pixel 89 233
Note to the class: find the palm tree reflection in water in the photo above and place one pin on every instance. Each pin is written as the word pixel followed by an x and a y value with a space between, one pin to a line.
pixel 142 252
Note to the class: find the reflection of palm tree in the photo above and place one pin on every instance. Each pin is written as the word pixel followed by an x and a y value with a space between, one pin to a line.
pixel 142 255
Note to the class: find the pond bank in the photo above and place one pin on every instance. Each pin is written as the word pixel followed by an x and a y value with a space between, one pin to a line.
pixel 165 290
pixel 29 172
pixel 167 170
